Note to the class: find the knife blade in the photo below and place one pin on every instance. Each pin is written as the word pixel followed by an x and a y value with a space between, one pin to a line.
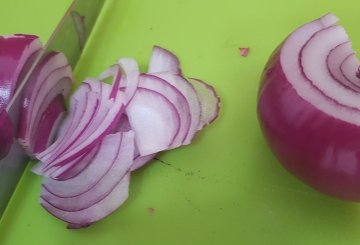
pixel 69 37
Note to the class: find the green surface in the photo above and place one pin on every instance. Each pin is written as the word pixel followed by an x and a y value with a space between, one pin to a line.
pixel 226 188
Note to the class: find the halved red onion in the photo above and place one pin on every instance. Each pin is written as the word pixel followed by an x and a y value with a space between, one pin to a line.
pixel 334 60
pixel 348 66
pixel 111 163
pixel 162 60
pixel 16 56
pixel 308 108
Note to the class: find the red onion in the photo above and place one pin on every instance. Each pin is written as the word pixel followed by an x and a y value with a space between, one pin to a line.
pixel 308 107
pixel 16 56
pixel 162 60
pixel 113 129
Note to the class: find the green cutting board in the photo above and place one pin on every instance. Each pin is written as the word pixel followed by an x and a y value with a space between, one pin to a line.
pixel 225 188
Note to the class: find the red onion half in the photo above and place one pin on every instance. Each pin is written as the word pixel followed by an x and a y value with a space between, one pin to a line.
pixel 17 52
pixel 309 107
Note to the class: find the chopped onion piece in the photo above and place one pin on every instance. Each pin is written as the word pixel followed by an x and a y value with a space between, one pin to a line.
pixel 162 60
pixel 154 120
pixel 209 102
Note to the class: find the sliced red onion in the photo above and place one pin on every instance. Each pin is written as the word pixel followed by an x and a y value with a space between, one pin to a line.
pixel 114 129
pixel 162 60
pixel 189 93
pixel 131 78
pixel 97 120
pixel 87 178
pixel 79 123
pixel 96 212
pixel 209 102
pixel 77 111
pixel 97 180
pixel 51 78
pixel 75 167
pixel 308 108
pixel 139 161
pixel 176 98
pixel 154 120
pixel 48 124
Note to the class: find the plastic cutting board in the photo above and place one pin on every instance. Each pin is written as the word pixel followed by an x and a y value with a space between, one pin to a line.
pixel 225 188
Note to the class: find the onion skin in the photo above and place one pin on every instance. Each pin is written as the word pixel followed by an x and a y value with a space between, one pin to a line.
pixel 319 149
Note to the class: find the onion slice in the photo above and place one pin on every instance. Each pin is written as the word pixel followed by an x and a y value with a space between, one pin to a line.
pixel 154 120
pixel 162 60
pixel 209 102
pixel 51 78
pixel 96 181
pixel 97 211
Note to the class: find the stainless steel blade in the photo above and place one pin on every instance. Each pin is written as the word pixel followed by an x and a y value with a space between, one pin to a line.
pixel 69 37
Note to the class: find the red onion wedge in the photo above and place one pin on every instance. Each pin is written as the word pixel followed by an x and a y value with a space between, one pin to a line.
pixel 309 107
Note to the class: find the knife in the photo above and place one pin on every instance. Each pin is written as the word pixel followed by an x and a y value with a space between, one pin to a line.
pixel 69 37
